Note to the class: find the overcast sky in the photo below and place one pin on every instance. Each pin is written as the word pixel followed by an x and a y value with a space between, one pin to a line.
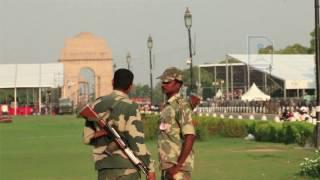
pixel 33 31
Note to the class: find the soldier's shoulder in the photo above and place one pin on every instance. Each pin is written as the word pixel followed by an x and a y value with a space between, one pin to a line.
pixel 107 99
pixel 102 103
pixel 128 105
pixel 182 102
pixel 127 101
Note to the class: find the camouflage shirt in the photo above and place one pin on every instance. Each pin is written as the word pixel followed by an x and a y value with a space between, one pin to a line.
pixel 175 122
pixel 126 120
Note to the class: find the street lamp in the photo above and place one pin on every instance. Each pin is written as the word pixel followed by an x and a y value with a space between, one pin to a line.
pixel 317 60
pixel 188 23
pixel 150 44
pixel 128 59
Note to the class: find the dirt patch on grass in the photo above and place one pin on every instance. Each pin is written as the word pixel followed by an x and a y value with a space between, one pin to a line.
pixel 260 150
pixel 264 150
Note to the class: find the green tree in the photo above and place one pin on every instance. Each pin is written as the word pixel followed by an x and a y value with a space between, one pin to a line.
pixel 294 49
pixel 206 80
pixel 312 42
pixel 141 91
pixel 291 49
pixel 230 61
pixel 266 50
pixel 157 94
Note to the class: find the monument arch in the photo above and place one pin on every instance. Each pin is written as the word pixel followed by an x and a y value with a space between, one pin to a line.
pixel 86 51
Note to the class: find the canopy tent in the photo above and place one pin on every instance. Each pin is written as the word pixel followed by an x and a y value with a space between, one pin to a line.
pixel 289 73
pixel 219 94
pixel 296 70
pixel 31 75
pixel 50 75
pixel 254 94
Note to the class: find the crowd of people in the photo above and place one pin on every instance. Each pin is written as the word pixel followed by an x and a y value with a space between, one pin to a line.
pixel 299 114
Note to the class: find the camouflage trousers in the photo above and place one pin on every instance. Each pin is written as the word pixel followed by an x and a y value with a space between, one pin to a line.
pixel 118 174
pixel 181 175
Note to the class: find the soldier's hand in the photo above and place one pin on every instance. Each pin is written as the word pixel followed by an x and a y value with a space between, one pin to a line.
pixel 172 171
pixel 99 133
pixel 151 176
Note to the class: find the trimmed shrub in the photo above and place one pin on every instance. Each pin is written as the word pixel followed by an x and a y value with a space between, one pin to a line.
pixel 233 128
pixel 298 132
pixel 202 131
pixel 263 132
pixel 206 127
pixel 250 126
pixel 150 126
pixel 268 131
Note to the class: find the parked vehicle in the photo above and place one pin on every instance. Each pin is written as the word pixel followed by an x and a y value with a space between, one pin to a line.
pixel 65 106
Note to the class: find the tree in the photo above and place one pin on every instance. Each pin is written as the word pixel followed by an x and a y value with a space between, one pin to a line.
pixel 291 49
pixel 230 61
pixel 206 80
pixel 266 50
pixel 312 42
pixel 141 91
pixel 294 49
pixel 157 94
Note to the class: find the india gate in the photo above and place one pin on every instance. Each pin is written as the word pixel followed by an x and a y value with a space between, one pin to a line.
pixel 86 53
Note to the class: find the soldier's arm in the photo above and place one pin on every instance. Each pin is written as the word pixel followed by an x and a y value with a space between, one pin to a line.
pixel 90 132
pixel 188 132
pixel 186 148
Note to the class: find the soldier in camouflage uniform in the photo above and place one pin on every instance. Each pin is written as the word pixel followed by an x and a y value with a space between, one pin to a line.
pixel 176 131
pixel 110 162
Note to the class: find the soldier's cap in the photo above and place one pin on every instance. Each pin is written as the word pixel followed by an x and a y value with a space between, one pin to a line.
pixel 170 74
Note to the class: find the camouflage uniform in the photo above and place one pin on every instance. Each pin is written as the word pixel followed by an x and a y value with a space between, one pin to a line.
pixel 175 122
pixel 110 161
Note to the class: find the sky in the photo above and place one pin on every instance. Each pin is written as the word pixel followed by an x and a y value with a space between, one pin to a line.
pixel 33 31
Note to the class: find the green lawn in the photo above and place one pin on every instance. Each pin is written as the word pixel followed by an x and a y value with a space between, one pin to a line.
pixel 50 148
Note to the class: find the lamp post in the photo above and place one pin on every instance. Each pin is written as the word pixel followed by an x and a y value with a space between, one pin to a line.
pixel 150 44
pixel 317 60
pixel 128 59
pixel 188 23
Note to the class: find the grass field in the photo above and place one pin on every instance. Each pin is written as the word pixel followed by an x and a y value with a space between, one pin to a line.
pixel 50 148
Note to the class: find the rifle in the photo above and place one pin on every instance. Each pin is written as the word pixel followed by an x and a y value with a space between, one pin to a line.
pixel 88 112
pixel 194 100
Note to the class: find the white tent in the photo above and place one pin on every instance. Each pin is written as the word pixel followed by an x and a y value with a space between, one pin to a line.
pixel 219 94
pixel 254 94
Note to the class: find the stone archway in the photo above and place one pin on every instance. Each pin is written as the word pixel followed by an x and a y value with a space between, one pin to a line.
pixel 86 50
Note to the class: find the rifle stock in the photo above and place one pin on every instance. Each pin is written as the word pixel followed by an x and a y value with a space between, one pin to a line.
pixel 88 112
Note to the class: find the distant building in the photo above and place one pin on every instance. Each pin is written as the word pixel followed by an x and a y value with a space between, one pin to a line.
pixel 275 74
pixel 84 51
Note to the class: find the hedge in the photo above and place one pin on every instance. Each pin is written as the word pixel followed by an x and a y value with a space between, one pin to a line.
pixel 269 131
